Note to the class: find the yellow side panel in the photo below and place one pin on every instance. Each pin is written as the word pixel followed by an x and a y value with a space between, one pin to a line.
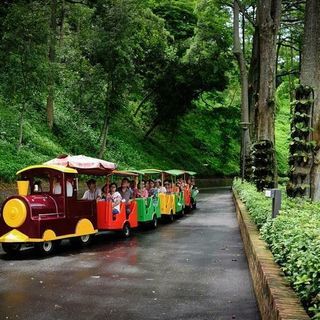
pixel 84 227
pixel 49 235
pixel 14 236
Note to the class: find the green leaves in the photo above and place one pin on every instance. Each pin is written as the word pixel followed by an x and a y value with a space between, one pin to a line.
pixel 293 238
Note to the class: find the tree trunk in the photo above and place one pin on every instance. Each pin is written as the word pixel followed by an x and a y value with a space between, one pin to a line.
pixel 253 83
pixel 104 136
pixel 52 59
pixel 268 22
pixel 21 121
pixel 239 54
pixel 155 123
pixel 143 101
pixel 310 76
pixel 62 20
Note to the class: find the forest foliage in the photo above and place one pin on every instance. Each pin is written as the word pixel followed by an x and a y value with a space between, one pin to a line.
pixel 141 83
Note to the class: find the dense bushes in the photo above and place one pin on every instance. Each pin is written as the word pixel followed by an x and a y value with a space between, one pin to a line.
pixel 294 239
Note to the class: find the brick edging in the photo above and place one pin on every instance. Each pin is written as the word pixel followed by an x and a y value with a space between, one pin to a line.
pixel 275 297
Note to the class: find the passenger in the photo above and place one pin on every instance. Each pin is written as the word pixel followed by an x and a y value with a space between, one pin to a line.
pixel 147 185
pixel 126 193
pixel 168 186
pixel 104 191
pixel 180 184
pixel 56 189
pixel 69 185
pixel 152 190
pixel 37 186
pixel 93 193
pixel 143 192
pixel 193 183
pixel 135 191
pixel 159 187
pixel 115 198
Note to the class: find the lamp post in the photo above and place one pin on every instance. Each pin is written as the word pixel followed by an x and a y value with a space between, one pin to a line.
pixel 245 127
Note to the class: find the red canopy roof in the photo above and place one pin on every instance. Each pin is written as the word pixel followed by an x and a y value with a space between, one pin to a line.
pixel 84 164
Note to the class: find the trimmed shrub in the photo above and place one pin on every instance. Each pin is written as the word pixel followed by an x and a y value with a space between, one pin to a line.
pixel 293 238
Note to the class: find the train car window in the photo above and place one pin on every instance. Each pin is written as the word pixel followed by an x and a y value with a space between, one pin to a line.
pixel 69 187
pixel 41 184
pixel 56 185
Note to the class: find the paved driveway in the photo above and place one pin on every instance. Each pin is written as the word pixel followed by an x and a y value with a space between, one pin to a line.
pixel 194 268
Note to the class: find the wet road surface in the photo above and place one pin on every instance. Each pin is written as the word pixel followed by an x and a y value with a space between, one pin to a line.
pixel 194 268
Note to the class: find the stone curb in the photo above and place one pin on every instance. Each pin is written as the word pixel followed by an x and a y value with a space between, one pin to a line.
pixel 275 297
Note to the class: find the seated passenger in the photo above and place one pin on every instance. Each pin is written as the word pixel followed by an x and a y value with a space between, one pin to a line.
pixel 37 187
pixel 56 186
pixel 143 192
pixel 115 198
pixel 135 190
pixel 126 193
pixel 93 193
pixel 168 186
pixel 105 191
pixel 147 185
pixel 159 187
pixel 152 190
pixel 69 186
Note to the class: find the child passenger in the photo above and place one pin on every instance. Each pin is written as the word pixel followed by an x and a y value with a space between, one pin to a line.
pixel 152 190
pixel 115 197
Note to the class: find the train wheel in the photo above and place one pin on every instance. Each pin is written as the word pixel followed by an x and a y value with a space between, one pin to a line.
pixel 194 205
pixel 81 241
pixel 126 232
pixel 154 222
pixel 46 247
pixel 11 248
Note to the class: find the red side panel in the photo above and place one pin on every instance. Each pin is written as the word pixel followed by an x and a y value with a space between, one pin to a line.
pixel 107 220
pixel 133 217
pixel 187 195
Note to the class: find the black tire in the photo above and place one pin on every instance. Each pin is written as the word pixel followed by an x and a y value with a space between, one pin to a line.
pixel 46 248
pixel 11 248
pixel 194 206
pixel 154 222
pixel 126 231
pixel 81 241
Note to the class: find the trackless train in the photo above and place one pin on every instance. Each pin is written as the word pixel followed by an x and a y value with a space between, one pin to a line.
pixel 42 214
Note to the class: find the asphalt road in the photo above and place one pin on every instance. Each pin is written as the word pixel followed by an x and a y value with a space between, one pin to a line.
pixel 194 268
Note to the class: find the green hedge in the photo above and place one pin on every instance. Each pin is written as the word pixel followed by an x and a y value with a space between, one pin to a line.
pixel 294 239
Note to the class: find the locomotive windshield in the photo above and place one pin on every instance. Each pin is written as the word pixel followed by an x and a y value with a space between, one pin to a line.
pixel 40 184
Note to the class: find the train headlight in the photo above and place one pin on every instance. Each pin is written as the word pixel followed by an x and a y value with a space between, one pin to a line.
pixel 14 213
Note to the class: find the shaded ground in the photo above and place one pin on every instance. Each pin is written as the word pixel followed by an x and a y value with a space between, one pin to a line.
pixel 194 268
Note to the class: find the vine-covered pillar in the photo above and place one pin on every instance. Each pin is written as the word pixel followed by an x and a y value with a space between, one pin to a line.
pixel 301 145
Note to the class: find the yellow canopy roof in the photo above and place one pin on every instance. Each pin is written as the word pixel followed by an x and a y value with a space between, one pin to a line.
pixel 54 167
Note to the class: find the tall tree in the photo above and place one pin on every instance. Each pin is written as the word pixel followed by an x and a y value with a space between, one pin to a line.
pixel 310 76
pixel 268 22
pixel 239 54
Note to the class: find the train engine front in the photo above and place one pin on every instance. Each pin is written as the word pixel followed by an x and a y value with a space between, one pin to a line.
pixel 34 215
